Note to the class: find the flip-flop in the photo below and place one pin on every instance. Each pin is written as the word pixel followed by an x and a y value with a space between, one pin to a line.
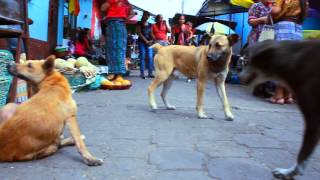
pixel 277 100
pixel 289 100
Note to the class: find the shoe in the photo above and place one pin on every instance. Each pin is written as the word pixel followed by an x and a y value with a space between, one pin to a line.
pixel 151 76
pixel 289 100
pixel 142 77
pixel 111 77
pixel 274 100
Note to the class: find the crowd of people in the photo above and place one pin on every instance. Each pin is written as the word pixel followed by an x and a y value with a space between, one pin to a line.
pixel 285 15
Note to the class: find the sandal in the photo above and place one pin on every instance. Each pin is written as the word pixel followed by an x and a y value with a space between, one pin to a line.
pixel 289 100
pixel 277 100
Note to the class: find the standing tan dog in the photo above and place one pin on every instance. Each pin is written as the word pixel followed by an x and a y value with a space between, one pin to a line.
pixel 33 129
pixel 204 62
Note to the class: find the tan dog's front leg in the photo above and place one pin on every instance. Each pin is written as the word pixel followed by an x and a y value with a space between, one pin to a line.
pixel 75 133
pixel 221 89
pixel 201 85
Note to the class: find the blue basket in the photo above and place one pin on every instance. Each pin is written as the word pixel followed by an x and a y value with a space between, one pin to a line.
pixel 6 57
pixel 76 80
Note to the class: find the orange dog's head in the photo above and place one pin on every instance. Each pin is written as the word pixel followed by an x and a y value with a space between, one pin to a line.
pixel 33 70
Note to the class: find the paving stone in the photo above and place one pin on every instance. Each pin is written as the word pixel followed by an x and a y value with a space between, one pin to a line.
pixel 183 175
pixel 257 141
pixel 177 159
pixel 238 168
pixel 283 135
pixel 223 149
pixel 273 158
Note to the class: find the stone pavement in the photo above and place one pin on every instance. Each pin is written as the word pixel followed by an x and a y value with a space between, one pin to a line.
pixel 137 144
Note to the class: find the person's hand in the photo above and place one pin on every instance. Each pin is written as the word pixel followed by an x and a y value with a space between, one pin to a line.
pixel 264 20
pixel 149 42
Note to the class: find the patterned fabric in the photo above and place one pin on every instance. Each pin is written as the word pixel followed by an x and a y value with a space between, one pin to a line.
pixel 116 43
pixel 257 10
pixel 286 30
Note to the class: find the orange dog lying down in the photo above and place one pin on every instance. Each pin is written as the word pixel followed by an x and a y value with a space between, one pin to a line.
pixel 33 129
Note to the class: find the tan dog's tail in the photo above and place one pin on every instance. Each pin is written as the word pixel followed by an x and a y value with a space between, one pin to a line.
pixel 156 47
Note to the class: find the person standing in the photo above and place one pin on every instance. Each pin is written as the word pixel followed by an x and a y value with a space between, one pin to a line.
pixel 160 30
pixel 117 12
pixel 144 42
pixel 289 16
pixel 181 32
pixel 258 17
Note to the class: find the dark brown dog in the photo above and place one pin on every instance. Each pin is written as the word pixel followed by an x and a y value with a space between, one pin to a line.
pixel 205 63
pixel 33 129
pixel 295 64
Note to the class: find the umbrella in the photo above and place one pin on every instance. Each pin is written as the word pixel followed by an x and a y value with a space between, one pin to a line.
pixel 215 27
pixel 137 18
pixel 243 3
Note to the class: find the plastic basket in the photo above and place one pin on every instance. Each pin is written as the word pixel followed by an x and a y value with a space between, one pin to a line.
pixel 4 90
pixel 6 57
pixel 75 79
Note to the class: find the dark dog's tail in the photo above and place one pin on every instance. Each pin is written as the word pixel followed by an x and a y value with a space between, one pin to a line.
pixel 156 47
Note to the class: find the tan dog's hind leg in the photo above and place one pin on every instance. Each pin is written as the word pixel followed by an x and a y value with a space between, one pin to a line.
pixel 221 90
pixel 75 133
pixel 201 85
pixel 166 86
pixel 158 80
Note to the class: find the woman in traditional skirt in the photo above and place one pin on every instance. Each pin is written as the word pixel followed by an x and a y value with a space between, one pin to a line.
pixel 117 13
pixel 289 16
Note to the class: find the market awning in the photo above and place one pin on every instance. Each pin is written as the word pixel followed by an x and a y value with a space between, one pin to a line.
pixel 197 20
pixel 219 7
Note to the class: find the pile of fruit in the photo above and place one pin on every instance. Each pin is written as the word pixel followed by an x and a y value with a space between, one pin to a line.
pixel 72 65
pixel 117 84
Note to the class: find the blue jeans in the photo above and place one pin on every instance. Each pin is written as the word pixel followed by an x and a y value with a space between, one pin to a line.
pixel 145 53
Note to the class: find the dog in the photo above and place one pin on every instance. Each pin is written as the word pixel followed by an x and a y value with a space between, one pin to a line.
pixel 203 62
pixel 295 64
pixel 33 129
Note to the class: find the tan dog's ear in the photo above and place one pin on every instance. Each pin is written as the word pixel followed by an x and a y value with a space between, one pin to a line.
pixel 233 38
pixel 48 65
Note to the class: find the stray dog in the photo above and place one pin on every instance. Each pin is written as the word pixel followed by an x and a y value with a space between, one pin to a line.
pixel 33 129
pixel 296 65
pixel 204 62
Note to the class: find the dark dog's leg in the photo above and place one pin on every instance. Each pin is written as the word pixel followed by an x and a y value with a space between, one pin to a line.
pixel 310 139
pixel 221 90
pixel 201 85
pixel 82 148
pixel 166 86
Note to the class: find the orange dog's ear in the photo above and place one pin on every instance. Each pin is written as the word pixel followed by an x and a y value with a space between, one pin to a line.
pixel 48 65
pixel 233 38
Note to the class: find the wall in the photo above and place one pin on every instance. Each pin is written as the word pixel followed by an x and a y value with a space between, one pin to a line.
pixel 38 12
pixel 311 24
pixel 60 22
pixel 85 9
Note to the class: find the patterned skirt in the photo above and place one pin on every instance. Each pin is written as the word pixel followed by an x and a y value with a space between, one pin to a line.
pixel 286 30
pixel 116 43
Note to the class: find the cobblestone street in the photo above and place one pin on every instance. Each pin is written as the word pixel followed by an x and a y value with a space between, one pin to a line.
pixel 138 144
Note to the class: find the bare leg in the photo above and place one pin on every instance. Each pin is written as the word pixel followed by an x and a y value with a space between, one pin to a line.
pixel 166 86
pixel 7 111
pixel 75 133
